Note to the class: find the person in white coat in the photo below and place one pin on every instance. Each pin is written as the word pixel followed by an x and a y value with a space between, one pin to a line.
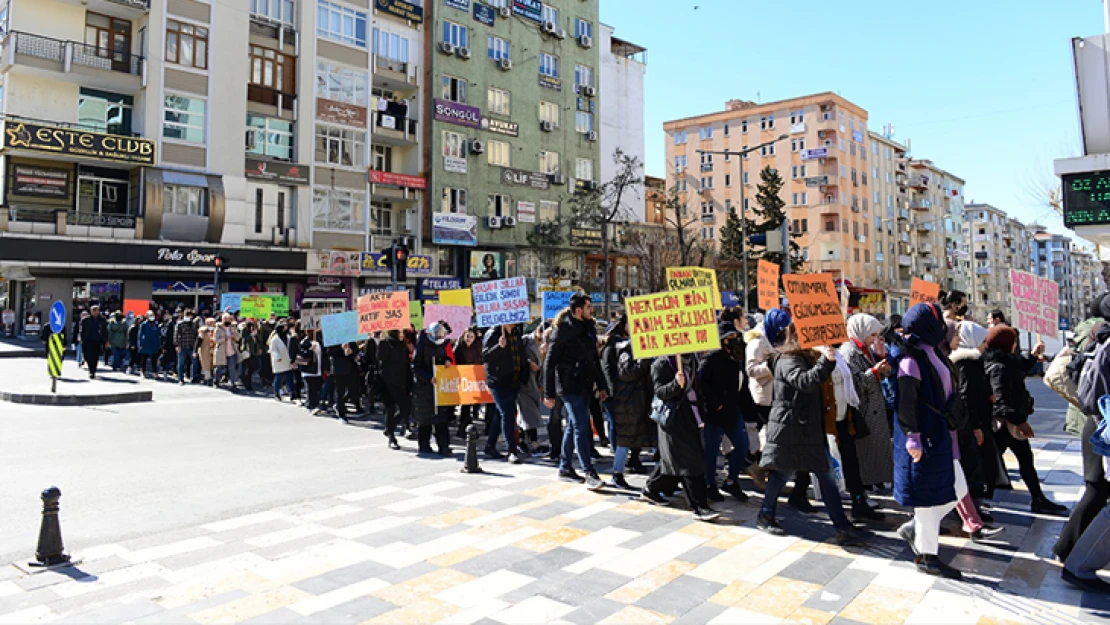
pixel 280 361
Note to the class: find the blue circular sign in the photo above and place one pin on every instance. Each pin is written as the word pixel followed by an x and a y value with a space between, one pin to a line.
pixel 57 317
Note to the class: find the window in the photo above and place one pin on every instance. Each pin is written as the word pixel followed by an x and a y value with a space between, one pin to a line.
pixel 273 70
pixel 497 101
pixel 344 147
pixel 186 44
pixel 549 65
pixel 381 218
pixel 805 225
pixel 392 47
pixel 549 112
pixel 797 117
pixel 745 181
pixel 583 76
pixel 550 14
pixel 184 118
pixel 726 134
pixel 707 233
pixel 276 10
pixel 707 209
pixel 856 254
pixel 582 28
pixel 454 89
pixel 268 136
pixel 706 133
pixel 340 23
pixel 584 169
pixel 456 34
pixel 257 211
pixel 549 210
pixel 498 48
pixel 794 171
pixel 844 225
pixel 830 224
pixel 454 201
pixel 743 126
pixel 728 180
pixel 767 150
pixel 498 153
pixel 341 84
pixel 498 205
pixel 583 122
pixel 338 209
pixel 104 112
pixel 549 162
pixel 184 200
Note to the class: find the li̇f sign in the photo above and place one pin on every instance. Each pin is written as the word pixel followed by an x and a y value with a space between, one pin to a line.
pixel 681 278
pixel 671 323
pixel 815 309
pixel 768 285
pixel 382 311
pixel 922 292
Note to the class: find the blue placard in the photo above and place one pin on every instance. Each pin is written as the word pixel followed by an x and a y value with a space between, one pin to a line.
pixel 484 13
pixel 555 301
pixel 729 299
pixel 341 328
pixel 57 317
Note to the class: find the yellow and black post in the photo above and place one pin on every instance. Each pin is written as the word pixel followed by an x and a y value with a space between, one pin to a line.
pixel 54 353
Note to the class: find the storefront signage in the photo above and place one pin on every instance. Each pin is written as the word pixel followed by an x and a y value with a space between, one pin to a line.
pixel 374 263
pixel 454 229
pixel 275 171
pixel 400 8
pixel 179 256
pixel 71 142
pixel 340 113
pixel 585 237
pixel 456 113
pixel 398 180
pixel 551 82
pixel 529 9
pixel 522 178
pixel 37 181
pixel 484 13
pixel 102 220
pixel 429 288
pixel 462 5
pixel 526 212
pixel 814 153
pixel 501 127
pixel 454 164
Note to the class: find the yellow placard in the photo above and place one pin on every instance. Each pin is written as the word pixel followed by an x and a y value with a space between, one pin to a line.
pixel 457 297
pixel 255 307
pixel 675 322
pixel 682 278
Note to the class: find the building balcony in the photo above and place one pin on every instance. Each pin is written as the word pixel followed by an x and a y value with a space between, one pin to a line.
pixel 79 63
pixel 903 214
pixel 127 9
pixel 925 249
pixel 396 187
pixel 921 205
pixel 53 220
pixel 905 260
pixel 394 130
pixel 269 96
pixel 919 182
pixel 923 226
pixel 395 75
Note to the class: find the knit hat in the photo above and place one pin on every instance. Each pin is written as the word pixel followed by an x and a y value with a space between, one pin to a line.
pixel 1002 337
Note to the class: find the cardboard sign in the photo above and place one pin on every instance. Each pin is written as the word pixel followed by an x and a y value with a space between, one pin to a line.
pixel 382 311
pixel 255 307
pixel 456 297
pixel 1036 303
pixel 555 301
pixel 232 302
pixel 416 314
pixel 767 285
pixel 683 278
pixel 671 323
pixel 815 308
pixel 458 317
pixel 341 328
pixel 462 385
pixel 137 306
pixel 922 292
pixel 500 302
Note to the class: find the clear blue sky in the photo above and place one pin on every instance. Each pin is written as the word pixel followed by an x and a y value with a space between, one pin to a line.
pixel 984 88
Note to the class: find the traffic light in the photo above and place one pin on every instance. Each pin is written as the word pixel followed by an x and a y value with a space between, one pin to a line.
pixel 221 264
pixel 400 262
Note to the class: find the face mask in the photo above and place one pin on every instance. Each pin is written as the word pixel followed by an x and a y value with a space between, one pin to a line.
pixel 227 323
pixel 961 311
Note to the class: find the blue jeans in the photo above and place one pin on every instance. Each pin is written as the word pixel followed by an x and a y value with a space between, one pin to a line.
pixel 505 400
pixel 184 363
pixel 737 458
pixel 578 437
pixel 232 369
pixel 80 353
pixel 286 378
pixel 119 354
pixel 830 496
pixel 620 454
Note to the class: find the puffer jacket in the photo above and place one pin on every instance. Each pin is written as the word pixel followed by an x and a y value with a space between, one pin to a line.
pixel 757 364
pixel 572 363
pixel 1012 401
pixel 973 386
pixel 506 367
pixel 796 428
pixel 630 381
pixel 394 366
pixel 150 337
pixel 117 334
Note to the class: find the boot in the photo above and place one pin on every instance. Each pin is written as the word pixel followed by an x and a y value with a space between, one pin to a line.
pixel 619 482
pixel 800 502
pixel 932 565
pixel 862 511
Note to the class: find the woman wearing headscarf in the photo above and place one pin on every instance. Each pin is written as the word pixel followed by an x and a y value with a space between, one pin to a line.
pixel 630 405
pixel 872 444
pixel 1011 410
pixel 432 349
pixel 529 413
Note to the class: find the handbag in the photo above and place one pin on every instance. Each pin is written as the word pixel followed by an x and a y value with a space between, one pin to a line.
pixel 861 428
pixel 665 413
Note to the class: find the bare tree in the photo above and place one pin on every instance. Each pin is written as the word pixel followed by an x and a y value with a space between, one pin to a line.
pixel 677 217
pixel 656 248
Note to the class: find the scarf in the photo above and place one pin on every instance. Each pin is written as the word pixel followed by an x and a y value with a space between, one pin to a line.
pixel 847 385
pixel 861 326
pixel 972 334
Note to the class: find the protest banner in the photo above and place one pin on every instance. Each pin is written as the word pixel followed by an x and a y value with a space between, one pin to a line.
pixel 136 306
pixel 554 301
pixel 457 317
pixel 767 285
pixel 684 278
pixel 456 297
pixel 1036 303
pixel 232 302
pixel 254 308
pixel 674 322
pixel 462 385
pixel 310 318
pixel 500 302
pixel 815 308
pixel 382 311
pixel 341 328
pixel 922 292
pixel 416 313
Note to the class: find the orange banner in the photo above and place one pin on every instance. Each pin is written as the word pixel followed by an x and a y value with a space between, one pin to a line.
pixel 767 284
pixel 922 292
pixel 815 309
pixel 385 310
pixel 137 306
pixel 462 385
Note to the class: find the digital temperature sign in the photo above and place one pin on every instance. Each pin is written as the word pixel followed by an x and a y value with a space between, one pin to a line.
pixel 1087 199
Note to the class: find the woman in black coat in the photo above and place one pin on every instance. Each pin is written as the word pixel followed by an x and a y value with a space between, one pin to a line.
pixel 395 373
pixel 724 386
pixel 432 349
pixel 629 407
pixel 681 455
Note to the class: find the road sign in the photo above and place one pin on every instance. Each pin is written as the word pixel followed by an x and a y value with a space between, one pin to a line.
pixel 54 353
pixel 57 317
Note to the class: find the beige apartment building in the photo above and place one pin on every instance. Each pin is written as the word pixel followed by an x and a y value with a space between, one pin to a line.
pixel 997 244
pixel 894 260
pixel 936 224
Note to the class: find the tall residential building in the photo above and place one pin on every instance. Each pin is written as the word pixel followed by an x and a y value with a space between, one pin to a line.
pixel 1050 257
pixel 822 159
pixel 514 131
pixel 997 245
pixel 894 260
pixel 1087 282
pixel 936 218
pixel 623 67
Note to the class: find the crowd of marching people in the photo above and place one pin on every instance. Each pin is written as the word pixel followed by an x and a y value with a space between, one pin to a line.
pixel 919 409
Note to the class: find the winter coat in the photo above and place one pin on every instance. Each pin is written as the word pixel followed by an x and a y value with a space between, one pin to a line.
pixel 796 428
pixel 757 364
pixel 630 382
pixel 681 452
pixel 720 389
pixel 973 386
pixel 394 367
pixel 251 344
pixel 117 334
pixel 573 366
pixel 313 356
pixel 205 347
pixel 529 399
pixel 506 367
pixel 342 364
pixel 150 338
pixel 469 354
pixel 94 332
pixel 429 353
pixel 133 335
pixel 279 355
pixel 222 336
pixel 921 410
pixel 166 338
pixel 185 334
pixel 1012 401
pixel 876 460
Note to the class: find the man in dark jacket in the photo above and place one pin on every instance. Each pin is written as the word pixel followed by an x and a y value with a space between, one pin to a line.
pixel 572 371
pixel 370 371
pixel 344 371
pixel 507 370
pixel 395 371
pixel 721 383
pixel 185 340
pixel 94 336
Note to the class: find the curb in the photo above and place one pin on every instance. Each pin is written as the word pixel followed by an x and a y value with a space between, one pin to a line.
pixel 28 353
pixel 49 399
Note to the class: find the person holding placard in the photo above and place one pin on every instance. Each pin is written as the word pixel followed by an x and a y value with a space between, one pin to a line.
pixel 395 374
pixel 507 370
pixel 468 351
pixel 432 349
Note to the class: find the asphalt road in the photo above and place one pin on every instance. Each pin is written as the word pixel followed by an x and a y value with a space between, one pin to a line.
pixel 198 455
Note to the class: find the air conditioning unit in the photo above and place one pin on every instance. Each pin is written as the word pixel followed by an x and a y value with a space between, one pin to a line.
pixel 493 223
pixel 547 126
pixel 558 179
pixel 476 146
pixel 505 64
pixel 508 221
pixel 446 47
pixel 506 12
pixel 589 91
pixel 592 136
pixel 550 27
pixel 585 41
pixel 821 134
pixel 464 53
pixel 561 34
pixel 574 275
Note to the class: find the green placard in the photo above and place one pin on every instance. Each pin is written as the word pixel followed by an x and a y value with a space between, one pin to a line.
pixel 256 307
pixel 416 314
pixel 279 305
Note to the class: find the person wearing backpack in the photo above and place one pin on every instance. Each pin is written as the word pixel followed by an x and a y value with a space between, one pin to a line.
pixel 1092 551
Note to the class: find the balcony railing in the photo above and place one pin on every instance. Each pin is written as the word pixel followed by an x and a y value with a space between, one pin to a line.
pixel 135 4
pixel 405 126
pixel 270 96
pixel 70 53
pixel 391 65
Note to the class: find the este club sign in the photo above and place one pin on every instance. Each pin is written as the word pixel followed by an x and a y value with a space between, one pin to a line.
pixel 71 142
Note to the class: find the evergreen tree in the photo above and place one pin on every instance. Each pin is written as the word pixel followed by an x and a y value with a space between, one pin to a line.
pixel 770 214
pixel 732 238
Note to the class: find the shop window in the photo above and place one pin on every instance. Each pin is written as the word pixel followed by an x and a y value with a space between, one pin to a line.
pixel 185 200
pixel 102 192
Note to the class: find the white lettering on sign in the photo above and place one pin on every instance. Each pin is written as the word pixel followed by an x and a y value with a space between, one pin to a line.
pixel 193 257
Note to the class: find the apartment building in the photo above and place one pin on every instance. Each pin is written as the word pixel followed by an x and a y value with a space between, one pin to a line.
pixel 623 68
pixel 1050 257
pixel 819 146
pixel 894 261
pixel 1088 282
pixel 997 244
pixel 936 224
pixel 514 131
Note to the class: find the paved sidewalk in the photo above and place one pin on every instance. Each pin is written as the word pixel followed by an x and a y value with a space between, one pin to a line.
pixel 518 546
pixel 26 381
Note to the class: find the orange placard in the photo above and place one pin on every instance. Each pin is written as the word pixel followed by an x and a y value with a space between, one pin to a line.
pixel 463 385
pixel 815 309
pixel 382 311
pixel 923 292
pixel 767 285
pixel 137 306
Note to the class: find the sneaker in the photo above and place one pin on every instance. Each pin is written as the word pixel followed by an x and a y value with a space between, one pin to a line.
pixel 732 487
pixel 1085 583
pixel 1045 505
pixel 493 454
pixel 653 498
pixel 986 533
pixel 932 565
pixel 706 515
pixel 801 504
pixel 603 443
pixel 618 481
pixel 593 481
pixel 516 458
pixel 570 474
pixel 907 533
pixel 714 495
pixel 768 525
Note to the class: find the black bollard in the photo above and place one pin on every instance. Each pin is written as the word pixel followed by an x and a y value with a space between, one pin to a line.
pixel 50 551
pixel 471 462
